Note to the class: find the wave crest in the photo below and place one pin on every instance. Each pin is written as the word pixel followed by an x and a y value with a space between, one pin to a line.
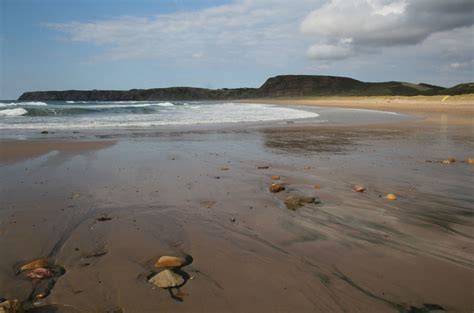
pixel 30 103
pixel 13 112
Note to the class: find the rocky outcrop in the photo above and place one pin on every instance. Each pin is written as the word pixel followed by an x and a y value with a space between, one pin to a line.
pixel 278 86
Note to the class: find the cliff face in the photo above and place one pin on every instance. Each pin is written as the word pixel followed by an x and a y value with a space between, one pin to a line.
pixel 278 86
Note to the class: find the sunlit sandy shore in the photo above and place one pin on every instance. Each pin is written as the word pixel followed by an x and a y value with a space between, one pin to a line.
pixel 456 105
pixel 106 207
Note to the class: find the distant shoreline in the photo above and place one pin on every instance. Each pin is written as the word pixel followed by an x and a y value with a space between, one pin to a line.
pixel 274 87
pixel 457 105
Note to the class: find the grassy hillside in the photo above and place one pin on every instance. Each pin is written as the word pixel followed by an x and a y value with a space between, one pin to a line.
pixel 278 86
pixel 305 85
pixel 460 89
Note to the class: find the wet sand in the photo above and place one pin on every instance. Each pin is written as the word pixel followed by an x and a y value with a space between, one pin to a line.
pixel 171 194
pixel 17 150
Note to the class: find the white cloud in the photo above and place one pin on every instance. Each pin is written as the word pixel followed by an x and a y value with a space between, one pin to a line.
pixel 248 29
pixel 198 55
pixel 456 66
pixel 330 52
pixel 385 8
pixel 306 36
pixel 372 24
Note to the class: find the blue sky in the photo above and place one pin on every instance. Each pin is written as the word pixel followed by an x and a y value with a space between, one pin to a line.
pixel 117 44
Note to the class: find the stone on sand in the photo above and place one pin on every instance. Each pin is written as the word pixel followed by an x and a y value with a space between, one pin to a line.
pixel 359 188
pixel 42 294
pixel 449 161
pixel 40 273
pixel 170 261
pixel 470 161
pixel 276 188
pixel 391 197
pixel 40 263
pixel 104 219
pixel 11 306
pixel 166 279
pixel 292 202
pixel 276 177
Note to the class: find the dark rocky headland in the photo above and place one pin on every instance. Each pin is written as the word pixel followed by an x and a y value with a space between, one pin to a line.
pixel 278 86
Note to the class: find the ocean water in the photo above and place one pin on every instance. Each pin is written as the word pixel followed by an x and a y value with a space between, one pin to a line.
pixel 138 114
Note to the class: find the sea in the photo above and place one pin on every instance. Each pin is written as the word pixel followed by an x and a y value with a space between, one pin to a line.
pixel 49 115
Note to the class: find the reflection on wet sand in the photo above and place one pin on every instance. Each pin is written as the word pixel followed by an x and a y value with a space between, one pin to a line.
pixel 330 140
pixel 17 150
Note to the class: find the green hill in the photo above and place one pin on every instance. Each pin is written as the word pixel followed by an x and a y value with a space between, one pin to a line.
pixel 460 89
pixel 278 86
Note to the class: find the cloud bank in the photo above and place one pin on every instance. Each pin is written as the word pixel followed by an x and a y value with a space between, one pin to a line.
pixel 337 36
pixel 245 29
pixel 345 28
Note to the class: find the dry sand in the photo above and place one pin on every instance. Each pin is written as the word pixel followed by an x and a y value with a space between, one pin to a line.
pixel 454 105
pixel 169 195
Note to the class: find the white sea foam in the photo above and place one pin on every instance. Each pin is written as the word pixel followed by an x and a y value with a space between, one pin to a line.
pixel 203 114
pixel 13 112
pixel 122 101
pixel 373 111
pixel 70 102
pixel 32 103
pixel 123 105
pixel 165 104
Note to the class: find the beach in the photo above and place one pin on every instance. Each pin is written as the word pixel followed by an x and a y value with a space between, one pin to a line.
pixel 105 205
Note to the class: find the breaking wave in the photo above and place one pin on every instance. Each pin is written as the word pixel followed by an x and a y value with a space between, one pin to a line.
pixel 66 115
pixel 33 103
pixel 13 112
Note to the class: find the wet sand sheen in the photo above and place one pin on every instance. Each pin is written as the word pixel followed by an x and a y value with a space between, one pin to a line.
pixel 11 151
pixel 353 252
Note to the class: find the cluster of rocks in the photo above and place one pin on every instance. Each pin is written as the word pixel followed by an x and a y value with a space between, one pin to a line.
pixel 10 306
pixel 43 275
pixel 452 160
pixel 361 189
pixel 171 275
pixel 293 201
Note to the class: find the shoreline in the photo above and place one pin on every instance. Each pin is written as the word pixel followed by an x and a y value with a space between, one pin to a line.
pixel 462 104
pixel 459 110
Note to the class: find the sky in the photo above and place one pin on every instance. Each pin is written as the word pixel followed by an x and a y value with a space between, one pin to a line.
pixel 118 44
